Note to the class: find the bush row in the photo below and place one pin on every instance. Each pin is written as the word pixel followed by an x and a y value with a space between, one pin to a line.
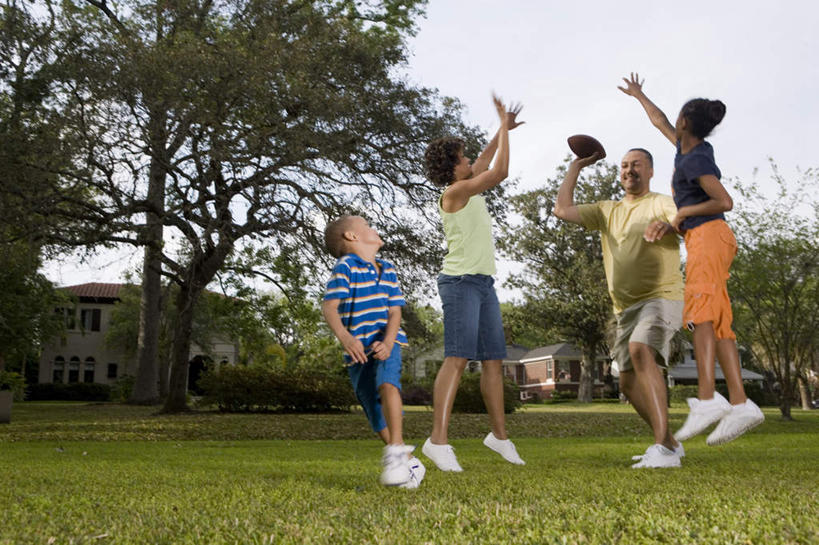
pixel 78 391
pixel 468 398
pixel 244 389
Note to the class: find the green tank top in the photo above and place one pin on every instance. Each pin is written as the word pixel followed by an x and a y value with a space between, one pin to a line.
pixel 468 232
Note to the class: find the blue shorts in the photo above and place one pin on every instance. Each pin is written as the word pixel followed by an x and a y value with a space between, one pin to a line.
pixel 473 328
pixel 366 378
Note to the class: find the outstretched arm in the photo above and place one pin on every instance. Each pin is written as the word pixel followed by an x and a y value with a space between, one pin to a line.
pixel 459 193
pixel 565 208
pixel 481 164
pixel 634 88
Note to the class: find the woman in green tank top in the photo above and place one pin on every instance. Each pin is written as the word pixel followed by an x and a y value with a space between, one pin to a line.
pixel 473 329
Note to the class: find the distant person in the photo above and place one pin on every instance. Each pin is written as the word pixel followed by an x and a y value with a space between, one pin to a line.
pixel 645 285
pixel 362 305
pixel 473 329
pixel 701 201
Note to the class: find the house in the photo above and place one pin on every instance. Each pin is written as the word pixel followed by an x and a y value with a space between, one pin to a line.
pixel 537 372
pixel 685 372
pixel 556 367
pixel 81 354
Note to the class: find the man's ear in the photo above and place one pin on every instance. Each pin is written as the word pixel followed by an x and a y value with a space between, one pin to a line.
pixel 350 235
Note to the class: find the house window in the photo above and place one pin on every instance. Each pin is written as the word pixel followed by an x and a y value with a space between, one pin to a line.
pixel 58 370
pixel 550 369
pixel 90 319
pixel 520 374
pixel 69 317
pixel 112 370
pixel 88 370
pixel 74 370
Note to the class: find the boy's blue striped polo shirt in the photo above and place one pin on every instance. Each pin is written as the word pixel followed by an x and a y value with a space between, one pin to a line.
pixel 365 298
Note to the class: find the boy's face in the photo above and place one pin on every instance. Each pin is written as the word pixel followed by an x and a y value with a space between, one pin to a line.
pixel 363 233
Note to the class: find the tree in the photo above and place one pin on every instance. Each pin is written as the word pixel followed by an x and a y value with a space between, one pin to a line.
pixel 562 279
pixel 250 119
pixel 774 280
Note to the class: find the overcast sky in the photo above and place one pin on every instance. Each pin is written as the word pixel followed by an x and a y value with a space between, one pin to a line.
pixel 564 60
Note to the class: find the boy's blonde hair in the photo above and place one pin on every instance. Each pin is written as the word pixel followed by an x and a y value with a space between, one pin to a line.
pixel 334 236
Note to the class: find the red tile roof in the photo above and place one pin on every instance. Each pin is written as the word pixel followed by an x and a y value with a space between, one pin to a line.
pixel 96 289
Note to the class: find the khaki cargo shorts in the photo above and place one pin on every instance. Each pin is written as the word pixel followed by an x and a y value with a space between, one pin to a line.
pixel 653 322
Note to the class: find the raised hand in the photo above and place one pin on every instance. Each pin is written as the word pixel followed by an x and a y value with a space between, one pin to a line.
pixel 499 107
pixel 583 162
pixel 512 114
pixel 634 87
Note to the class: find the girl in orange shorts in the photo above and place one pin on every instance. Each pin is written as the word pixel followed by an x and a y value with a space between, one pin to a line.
pixel 710 244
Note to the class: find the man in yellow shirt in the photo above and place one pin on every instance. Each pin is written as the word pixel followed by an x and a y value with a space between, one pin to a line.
pixel 645 285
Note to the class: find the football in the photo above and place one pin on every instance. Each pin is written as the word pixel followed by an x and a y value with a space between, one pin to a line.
pixel 584 145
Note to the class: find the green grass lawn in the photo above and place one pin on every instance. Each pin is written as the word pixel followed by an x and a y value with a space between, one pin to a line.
pixel 76 473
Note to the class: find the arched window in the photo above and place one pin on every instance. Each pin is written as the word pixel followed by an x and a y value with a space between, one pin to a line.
pixel 74 370
pixel 88 369
pixel 58 370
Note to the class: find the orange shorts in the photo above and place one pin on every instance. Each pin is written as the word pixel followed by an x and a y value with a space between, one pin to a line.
pixel 711 248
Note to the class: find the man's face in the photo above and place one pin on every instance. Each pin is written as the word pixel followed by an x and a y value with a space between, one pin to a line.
pixel 636 173
pixel 364 233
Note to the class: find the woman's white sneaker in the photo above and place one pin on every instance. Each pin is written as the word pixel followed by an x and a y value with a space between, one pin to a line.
pixel 505 448
pixel 443 456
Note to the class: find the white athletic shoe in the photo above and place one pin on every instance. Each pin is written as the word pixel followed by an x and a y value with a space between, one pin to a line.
pixel 443 456
pixel 678 450
pixel 658 456
pixel 417 472
pixel 702 415
pixel 396 467
pixel 504 447
pixel 740 419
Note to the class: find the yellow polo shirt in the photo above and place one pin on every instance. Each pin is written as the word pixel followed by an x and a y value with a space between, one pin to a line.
pixel 636 270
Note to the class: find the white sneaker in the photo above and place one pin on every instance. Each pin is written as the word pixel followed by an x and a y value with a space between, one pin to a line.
pixel 678 450
pixel 741 419
pixel 702 415
pixel 658 456
pixel 417 472
pixel 505 448
pixel 396 468
pixel 442 456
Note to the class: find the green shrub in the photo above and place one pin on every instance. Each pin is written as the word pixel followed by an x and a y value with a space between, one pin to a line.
pixel 78 391
pixel 13 382
pixel 121 389
pixel 559 396
pixel 255 388
pixel 753 390
pixel 470 400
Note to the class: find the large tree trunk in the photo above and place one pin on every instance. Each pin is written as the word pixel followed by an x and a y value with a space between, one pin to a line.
pixel 584 389
pixel 180 354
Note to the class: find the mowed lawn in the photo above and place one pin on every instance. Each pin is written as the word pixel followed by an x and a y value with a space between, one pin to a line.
pixel 80 473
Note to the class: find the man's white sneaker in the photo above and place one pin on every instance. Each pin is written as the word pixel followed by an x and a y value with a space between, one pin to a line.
pixel 658 456
pixel 443 456
pixel 702 415
pixel 740 419
pixel 417 472
pixel 678 450
pixel 504 447
pixel 396 469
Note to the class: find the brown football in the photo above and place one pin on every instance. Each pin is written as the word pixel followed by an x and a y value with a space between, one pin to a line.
pixel 584 145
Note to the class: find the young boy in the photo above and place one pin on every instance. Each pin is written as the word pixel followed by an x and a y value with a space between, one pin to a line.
pixel 362 305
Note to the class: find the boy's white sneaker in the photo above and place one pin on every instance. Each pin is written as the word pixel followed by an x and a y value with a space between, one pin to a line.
pixel 396 467
pixel 417 472
pixel 504 447
pixel 678 450
pixel 702 415
pixel 443 456
pixel 740 419
pixel 658 456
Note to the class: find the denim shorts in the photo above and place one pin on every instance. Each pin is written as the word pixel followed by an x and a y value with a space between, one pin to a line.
pixel 473 328
pixel 366 378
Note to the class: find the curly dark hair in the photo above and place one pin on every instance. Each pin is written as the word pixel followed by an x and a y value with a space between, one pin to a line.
pixel 703 114
pixel 440 159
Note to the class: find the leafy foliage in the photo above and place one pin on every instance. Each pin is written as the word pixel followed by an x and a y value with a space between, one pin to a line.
pixel 470 400
pixel 562 279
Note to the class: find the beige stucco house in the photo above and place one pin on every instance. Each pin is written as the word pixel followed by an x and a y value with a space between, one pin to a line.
pixel 81 354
